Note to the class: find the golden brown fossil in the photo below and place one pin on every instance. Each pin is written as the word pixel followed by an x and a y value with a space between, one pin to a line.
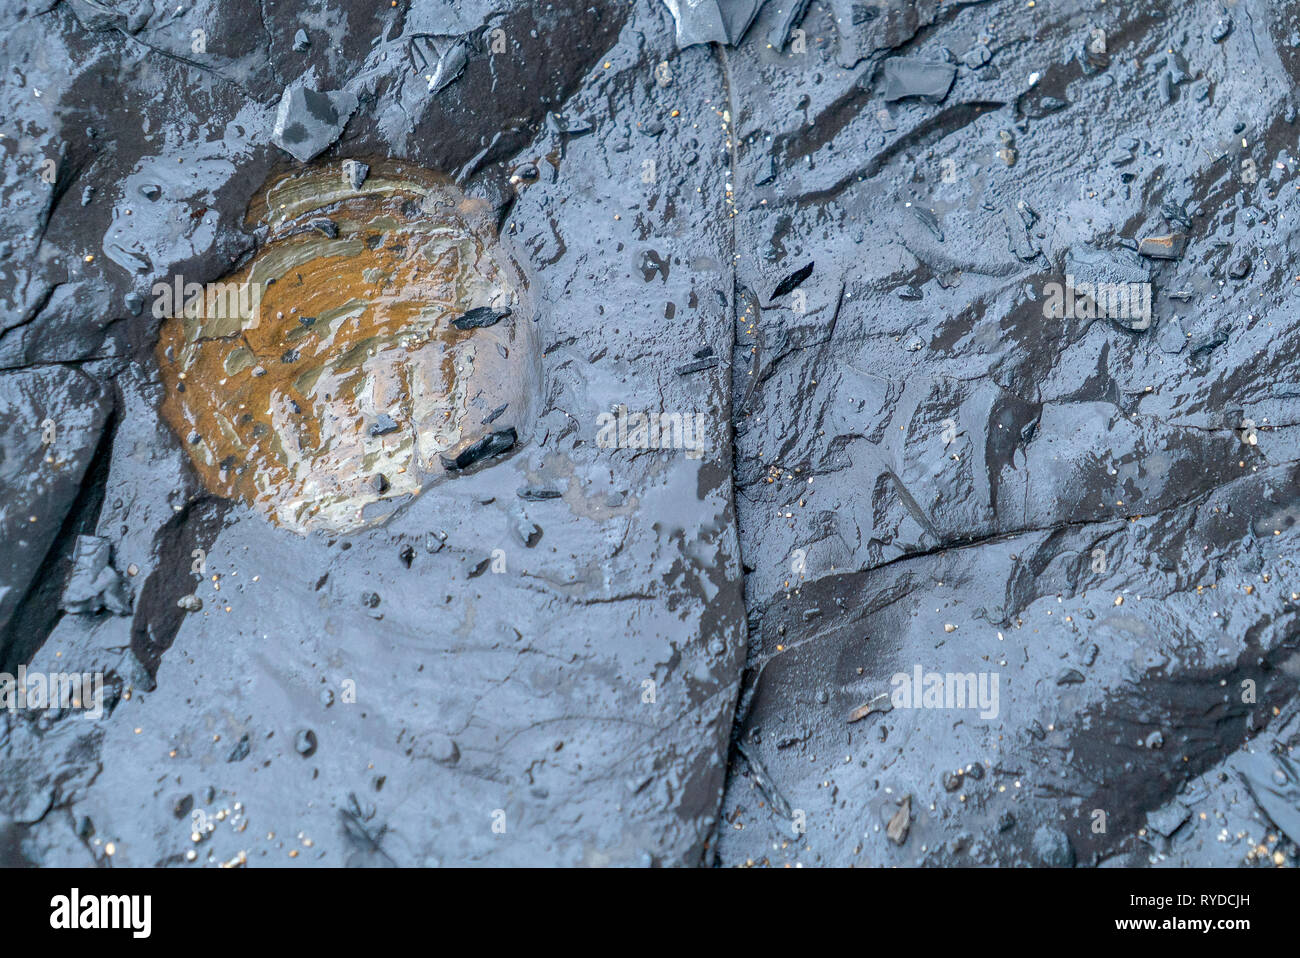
pixel 388 327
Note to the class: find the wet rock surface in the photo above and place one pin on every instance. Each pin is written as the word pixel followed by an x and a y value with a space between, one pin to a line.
pixel 909 478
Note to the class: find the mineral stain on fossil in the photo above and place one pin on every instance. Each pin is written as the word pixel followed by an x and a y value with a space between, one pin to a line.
pixel 390 346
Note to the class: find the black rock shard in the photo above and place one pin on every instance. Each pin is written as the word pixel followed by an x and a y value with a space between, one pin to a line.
pixel 480 317
pixel 493 444
pixel 957 555
pixel 791 282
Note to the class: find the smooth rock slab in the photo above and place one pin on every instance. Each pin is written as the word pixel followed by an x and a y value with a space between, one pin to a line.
pixel 712 21
pixel 95 585
pixel 308 122
pixel 927 80
pixel 40 479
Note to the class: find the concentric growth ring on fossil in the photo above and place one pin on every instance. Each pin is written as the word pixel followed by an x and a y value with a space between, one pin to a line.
pixel 391 344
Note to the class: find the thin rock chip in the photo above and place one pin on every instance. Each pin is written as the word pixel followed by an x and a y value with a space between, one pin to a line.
pixel 879 703
pixel 897 828
pixel 1163 247
pixel 926 80
pixel 698 365
pixel 533 494
pixel 451 65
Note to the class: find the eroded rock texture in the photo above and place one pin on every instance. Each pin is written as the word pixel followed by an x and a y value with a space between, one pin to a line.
pixel 982 551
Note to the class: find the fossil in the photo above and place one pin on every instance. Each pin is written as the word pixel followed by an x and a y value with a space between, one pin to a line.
pixel 344 386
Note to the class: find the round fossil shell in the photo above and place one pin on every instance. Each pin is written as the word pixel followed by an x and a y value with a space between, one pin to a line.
pixel 380 341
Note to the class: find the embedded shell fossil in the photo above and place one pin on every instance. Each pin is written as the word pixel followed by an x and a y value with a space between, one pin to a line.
pixel 343 385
